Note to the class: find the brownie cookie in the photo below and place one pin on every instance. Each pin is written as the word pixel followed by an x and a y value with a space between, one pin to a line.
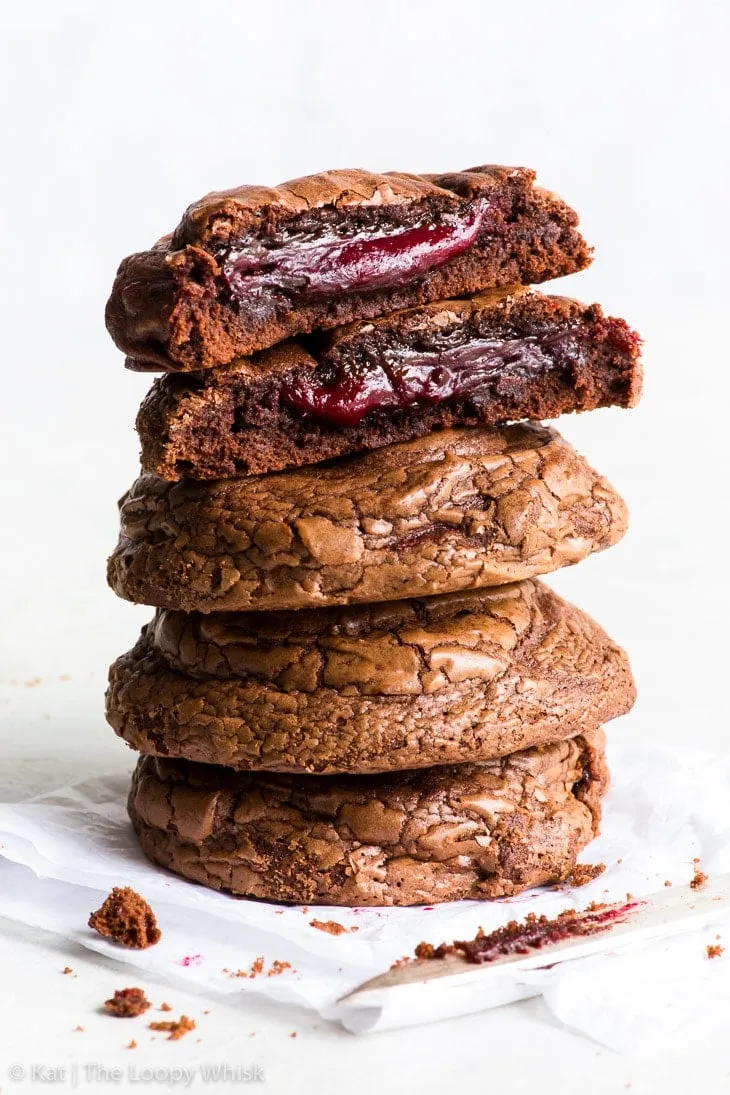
pixel 410 838
pixel 372 688
pixel 453 510
pixel 249 267
pixel 498 357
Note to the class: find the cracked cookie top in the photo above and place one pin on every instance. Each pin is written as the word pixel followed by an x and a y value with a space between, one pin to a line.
pixel 453 510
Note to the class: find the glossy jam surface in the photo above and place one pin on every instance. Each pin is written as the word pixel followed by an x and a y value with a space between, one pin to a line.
pixel 534 933
pixel 330 263
pixel 405 378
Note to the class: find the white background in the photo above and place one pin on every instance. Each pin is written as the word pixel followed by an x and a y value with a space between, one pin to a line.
pixel 117 115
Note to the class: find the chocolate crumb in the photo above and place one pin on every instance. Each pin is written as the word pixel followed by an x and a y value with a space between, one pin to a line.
pixel 667 882
pixel 66 969
pixel 165 1007
pixel 77 1027
pixel 33 682
pixel 583 873
pixel 255 969
pixel 293 1034
pixel 714 950
pixel 400 962
pixel 132 1044
pixel 127 919
pixel 127 1003
pixel 699 879
pixel 331 926
pixel 277 967
pixel 177 1028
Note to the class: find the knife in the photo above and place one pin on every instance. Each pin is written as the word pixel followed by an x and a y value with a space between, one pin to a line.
pixel 426 990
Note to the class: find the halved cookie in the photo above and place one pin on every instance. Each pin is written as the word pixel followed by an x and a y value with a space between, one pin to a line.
pixel 499 357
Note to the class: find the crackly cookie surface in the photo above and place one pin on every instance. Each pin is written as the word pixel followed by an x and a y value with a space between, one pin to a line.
pixel 373 688
pixel 491 358
pixel 439 834
pixel 455 510
pixel 248 267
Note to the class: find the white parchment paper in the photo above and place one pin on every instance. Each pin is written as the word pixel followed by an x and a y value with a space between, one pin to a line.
pixel 62 852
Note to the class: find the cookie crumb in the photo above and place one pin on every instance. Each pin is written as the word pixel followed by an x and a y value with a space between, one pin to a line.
pixel 127 919
pixel 165 1007
pixel 667 882
pixel 256 967
pixel 33 682
pixel 132 1044
pixel 277 967
pixel 66 969
pixel 399 962
pixel 332 927
pixel 583 873
pixel 699 878
pixel 77 1027
pixel 177 1028
pixel 714 950
pixel 127 1003
pixel 293 1034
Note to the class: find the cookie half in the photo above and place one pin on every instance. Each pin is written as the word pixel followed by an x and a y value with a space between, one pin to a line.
pixel 412 838
pixel 453 510
pixel 374 688
pixel 489 359
pixel 249 267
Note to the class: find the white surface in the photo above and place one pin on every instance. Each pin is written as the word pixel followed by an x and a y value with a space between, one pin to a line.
pixel 116 116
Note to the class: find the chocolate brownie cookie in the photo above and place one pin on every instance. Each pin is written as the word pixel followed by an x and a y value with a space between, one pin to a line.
pixel 371 688
pixel 249 267
pixel 410 838
pixel 454 510
pixel 488 359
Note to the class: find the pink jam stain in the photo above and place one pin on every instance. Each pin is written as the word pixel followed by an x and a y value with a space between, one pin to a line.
pixel 190 960
pixel 331 264
pixel 532 934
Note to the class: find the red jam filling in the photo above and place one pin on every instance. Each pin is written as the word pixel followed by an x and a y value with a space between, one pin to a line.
pixel 329 263
pixel 533 933
pixel 405 377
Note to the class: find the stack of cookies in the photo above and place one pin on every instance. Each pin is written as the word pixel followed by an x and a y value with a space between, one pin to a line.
pixel 354 690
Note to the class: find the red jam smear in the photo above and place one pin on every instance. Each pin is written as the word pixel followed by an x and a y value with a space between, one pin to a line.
pixel 367 260
pixel 406 378
pixel 533 933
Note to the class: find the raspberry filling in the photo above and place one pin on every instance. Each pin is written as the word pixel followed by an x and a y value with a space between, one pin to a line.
pixel 311 265
pixel 403 377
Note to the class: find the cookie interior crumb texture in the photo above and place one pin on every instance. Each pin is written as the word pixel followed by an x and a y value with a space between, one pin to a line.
pixel 127 1003
pixel 176 1028
pixel 127 919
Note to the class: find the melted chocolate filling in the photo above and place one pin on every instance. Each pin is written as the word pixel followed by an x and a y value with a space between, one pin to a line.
pixel 320 261
pixel 402 377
